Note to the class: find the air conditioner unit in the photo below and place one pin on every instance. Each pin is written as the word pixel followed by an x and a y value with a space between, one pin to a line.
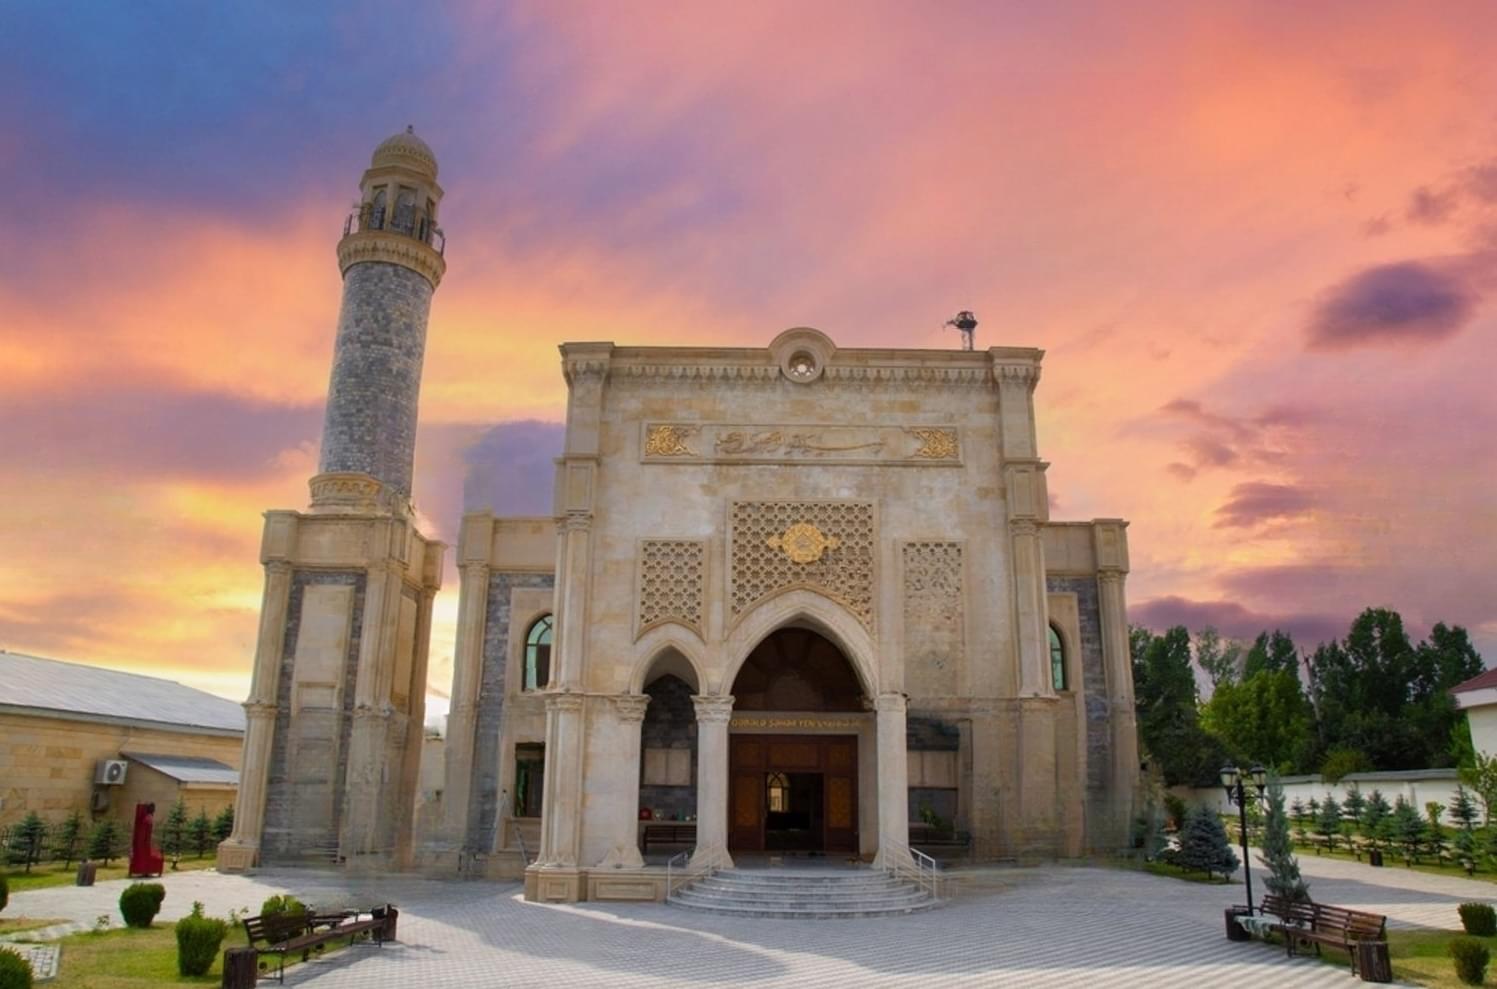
pixel 111 772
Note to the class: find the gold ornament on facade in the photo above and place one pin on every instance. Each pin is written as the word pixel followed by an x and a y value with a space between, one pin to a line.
pixel 668 441
pixel 803 543
pixel 935 444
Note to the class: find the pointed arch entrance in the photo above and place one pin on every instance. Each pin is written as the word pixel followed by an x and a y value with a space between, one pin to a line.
pixel 794 747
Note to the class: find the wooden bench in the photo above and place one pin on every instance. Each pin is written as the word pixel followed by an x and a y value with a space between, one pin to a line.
pixel 281 934
pixel 667 834
pixel 1304 922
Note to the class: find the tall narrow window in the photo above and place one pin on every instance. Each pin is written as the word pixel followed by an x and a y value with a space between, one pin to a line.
pixel 1057 660
pixel 777 789
pixel 538 654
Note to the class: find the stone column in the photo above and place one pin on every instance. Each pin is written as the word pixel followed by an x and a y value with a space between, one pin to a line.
pixel 713 714
pixel 629 710
pixel 467 679
pixel 1031 609
pixel 1119 667
pixel 893 782
pixel 364 816
pixel 240 851
pixel 561 805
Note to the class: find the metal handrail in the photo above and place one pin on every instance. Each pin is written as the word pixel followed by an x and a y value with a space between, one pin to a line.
pixel 687 875
pixel 901 860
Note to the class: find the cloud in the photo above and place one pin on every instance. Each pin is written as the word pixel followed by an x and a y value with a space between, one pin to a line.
pixel 1256 502
pixel 1431 208
pixel 1404 302
pixel 510 468
pixel 1223 441
pixel 1234 621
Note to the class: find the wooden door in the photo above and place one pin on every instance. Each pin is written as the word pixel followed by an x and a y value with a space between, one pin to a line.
pixel 840 792
pixel 746 793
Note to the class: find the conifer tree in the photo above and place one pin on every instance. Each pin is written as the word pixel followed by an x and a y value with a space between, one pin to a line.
pixel 1203 844
pixel 1278 851
pixel 1408 830
pixel 1375 816
pixel 1297 811
pixel 1328 825
pixel 26 840
pixel 223 824
pixel 174 832
pixel 1463 814
pixel 1351 807
pixel 1433 811
pixel 104 841
pixel 200 833
pixel 67 837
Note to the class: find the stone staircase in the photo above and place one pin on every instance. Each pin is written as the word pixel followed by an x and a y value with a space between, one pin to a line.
pixel 803 894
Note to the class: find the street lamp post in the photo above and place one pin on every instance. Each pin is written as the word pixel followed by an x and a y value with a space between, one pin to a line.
pixel 1235 782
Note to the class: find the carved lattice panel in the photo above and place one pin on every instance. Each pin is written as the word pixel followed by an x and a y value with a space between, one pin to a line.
pixel 670 582
pixel 934 639
pixel 828 546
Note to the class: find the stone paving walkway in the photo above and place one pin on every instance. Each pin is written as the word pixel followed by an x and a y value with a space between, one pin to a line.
pixel 1043 926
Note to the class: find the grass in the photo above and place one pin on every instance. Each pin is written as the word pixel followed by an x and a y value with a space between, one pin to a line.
pixel 1394 860
pixel 1421 956
pixel 19 925
pixel 1177 872
pixel 56 874
pixel 125 958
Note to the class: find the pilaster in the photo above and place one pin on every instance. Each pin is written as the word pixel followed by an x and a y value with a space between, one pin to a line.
pixel 474 546
pixel 1111 547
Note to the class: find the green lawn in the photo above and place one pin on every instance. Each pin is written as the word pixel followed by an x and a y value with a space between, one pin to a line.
pixel 1394 860
pixel 16 925
pixel 1420 956
pixel 1176 872
pixel 125 959
pixel 55 874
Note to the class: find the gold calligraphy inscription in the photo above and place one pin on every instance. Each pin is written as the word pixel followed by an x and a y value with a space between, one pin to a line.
pixel 935 444
pixel 668 441
pixel 821 724
pixel 803 543
pixel 739 443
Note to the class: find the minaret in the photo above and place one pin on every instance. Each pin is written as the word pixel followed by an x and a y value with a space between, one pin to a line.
pixel 391 259
pixel 334 721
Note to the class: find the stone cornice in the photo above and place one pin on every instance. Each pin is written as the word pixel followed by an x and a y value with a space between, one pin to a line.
pixel 391 248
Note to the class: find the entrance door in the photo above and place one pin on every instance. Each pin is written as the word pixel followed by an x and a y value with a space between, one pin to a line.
pixel 793 793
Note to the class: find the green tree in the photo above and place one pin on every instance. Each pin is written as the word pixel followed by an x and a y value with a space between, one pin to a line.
pixel 1263 719
pixel 1297 811
pixel 1272 652
pixel 1328 825
pixel 1375 812
pixel 223 824
pixel 1463 815
pixel 1353 805
pixel 1278 850
pixel 1220 658
pixel 67 837
pixel 1203 844
pixel 1408 829
pixel 1481 776
pixel 200 833
pixel 1433 811
pixel 27 840
pixel 104 841
pixel 174 832
pixel 1168 719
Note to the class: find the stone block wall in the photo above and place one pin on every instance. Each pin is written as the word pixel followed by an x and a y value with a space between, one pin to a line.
pixel 489 720
pixel 292 791
pixel 370 425
pixel 1094 684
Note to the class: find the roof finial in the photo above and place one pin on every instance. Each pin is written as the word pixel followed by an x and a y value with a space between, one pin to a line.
pixel 410 128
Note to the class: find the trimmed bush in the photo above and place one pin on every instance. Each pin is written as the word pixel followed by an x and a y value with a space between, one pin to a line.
pixel 4 892
pixel 278 904
pixel 198 941
pixel 1479 919
pixel 15 971
pixel 141 902
pixel 1471 957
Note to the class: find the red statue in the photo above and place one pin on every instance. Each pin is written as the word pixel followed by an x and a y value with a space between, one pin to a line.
pixel 145 860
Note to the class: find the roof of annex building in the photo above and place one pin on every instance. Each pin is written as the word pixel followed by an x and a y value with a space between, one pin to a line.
pixel 188 769
pixel 1483 680
pixel 34 685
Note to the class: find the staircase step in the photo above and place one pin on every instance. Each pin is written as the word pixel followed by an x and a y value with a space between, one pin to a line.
pixel 798 894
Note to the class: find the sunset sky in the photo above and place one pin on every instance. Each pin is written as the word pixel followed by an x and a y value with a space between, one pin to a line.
pixel 1256 240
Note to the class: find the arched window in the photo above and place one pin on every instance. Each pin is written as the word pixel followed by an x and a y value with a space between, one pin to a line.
pixel 777 788
pixel 538 654
pixel 1057 660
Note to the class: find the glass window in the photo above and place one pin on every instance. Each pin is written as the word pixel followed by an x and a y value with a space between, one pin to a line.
pixel 538 654
pixel 779 793
pixel 1057 660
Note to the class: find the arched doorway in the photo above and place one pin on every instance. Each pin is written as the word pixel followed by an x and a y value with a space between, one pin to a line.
pixel 793 756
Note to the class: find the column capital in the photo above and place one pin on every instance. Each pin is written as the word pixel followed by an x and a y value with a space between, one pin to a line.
pixel 478 570
pixel 259 709
pixel 278 568
pixel 891 702
pixel 1028 528
pixel 713 709
pixel 575 522
pixel 563 702
pixel 1110 576
pixel 630 707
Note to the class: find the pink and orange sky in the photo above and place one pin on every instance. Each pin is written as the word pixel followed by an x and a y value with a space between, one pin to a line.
pixel 1257 241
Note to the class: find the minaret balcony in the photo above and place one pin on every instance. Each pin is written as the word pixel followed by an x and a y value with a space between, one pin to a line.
pixel 408 238
pixel 412 223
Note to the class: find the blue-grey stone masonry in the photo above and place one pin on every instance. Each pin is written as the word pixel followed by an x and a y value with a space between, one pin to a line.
pixel 283 840
pixel 489 718
pixel 1093 681
pixel 370 426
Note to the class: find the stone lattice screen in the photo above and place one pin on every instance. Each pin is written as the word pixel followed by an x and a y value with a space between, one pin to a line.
pixel 828 546
pixel 670 582
pixel 933 616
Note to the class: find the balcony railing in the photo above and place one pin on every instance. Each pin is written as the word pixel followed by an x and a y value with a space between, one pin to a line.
pixel 404 220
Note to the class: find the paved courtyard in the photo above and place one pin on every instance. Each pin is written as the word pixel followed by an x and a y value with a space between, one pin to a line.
pixel 1044 926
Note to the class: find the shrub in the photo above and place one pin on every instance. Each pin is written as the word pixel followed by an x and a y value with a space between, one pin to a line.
pixel 140 902
pixel 278 904
pixel 4 892
pixel 1479 919
pixel 15 971
pixel 198 940
pixel 1471 957
pixel 104 841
